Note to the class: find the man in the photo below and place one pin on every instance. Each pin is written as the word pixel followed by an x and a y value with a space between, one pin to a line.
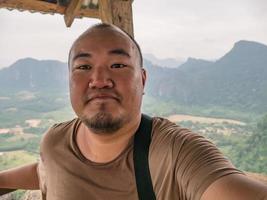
pixel 91 157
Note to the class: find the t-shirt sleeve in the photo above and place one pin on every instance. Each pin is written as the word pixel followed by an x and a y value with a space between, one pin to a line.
pixel 198 164
pixel 41 164
pixel 42 177
pixel 184 163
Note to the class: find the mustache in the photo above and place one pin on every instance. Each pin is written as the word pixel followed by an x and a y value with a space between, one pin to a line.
pixel 98 93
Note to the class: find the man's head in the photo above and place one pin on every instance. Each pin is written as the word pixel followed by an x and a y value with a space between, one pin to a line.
pixel 109 26
pixel 106 78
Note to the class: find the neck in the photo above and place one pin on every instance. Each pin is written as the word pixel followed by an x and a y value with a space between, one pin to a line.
pixel 103 148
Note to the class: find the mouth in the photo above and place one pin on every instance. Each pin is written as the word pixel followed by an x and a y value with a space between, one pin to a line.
pixel 102 98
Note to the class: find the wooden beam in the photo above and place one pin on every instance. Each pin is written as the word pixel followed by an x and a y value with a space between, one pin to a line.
pixel 42 6
pixel 117 12
pixel 71 11
pixel 31 5
pixel 122 15
pixel 105 11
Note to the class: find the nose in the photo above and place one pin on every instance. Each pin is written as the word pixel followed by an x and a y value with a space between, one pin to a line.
pixel 101 78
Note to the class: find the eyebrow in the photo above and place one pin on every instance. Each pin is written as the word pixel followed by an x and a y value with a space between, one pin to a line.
pixel 113 51
pixel 82 55
pixel 119 52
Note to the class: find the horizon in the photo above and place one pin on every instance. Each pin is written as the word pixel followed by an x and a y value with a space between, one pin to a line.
pixel 144 55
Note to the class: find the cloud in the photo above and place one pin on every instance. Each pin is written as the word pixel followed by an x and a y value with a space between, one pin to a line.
pixel 205 29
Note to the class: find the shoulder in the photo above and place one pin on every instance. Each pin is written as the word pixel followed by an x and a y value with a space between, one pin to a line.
pixel 171 144
pixel 173 141
pixel 59 131
pixel 63 125
pixel 194 160
pixel 165 131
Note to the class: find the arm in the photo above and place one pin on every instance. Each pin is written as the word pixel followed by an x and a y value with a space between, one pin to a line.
pixel 235 187
pixel 24 177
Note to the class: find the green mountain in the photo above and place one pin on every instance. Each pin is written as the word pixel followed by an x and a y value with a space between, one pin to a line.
pixel 238 80
pixel 31 74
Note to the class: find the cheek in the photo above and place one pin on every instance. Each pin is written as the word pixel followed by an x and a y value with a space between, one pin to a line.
pixel 77 87
pixel 77 82
pixel 133 87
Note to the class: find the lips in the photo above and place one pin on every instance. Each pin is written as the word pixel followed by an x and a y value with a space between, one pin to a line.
pixel 102 96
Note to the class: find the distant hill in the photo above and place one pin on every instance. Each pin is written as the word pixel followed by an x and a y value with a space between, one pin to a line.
pixel 32 74
pixel 166 62
pixel 193 65
pixel 237 80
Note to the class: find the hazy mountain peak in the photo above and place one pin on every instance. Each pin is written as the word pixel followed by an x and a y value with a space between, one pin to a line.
pixel 196 60
pixel 25 61
pixel 191 59
pixel 193 64
pixel 248 44
pixel 164 62
pixel 245 51
pixel 248 47
pixel 35 62
pixel 30 73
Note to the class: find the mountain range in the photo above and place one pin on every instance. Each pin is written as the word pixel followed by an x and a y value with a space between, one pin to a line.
pixel 32 74
pixel 236 80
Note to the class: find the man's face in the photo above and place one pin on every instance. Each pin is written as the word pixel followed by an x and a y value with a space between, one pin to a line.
pixel 106 80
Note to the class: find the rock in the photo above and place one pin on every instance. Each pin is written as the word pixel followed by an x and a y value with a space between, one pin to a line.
pixel 32 195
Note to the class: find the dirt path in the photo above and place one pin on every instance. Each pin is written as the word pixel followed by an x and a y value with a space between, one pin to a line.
pixel 209 120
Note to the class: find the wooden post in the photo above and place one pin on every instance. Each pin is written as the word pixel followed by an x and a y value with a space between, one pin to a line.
pixel 123 16
pixel 71 11
pixel 117 12
pixel 105 11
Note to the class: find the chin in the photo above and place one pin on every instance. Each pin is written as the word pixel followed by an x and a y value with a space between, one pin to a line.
pixel 104 122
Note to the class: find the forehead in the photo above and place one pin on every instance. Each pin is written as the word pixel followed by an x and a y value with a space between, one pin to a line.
pixel 102 39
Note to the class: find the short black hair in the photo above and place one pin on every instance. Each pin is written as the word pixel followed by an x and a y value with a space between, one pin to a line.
pixel 110 26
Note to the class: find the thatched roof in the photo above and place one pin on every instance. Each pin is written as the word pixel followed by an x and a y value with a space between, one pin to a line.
pixel 118 12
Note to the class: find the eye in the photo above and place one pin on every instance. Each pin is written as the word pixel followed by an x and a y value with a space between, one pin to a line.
pixel 118 65
pixel 84 67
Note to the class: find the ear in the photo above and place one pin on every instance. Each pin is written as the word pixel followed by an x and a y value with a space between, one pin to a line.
pixel 143 77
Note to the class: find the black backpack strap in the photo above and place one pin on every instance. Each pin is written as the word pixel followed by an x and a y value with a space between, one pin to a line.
pixel 142 140
pixel 4 191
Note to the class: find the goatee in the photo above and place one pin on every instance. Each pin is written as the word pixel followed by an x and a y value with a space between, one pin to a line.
pixel 103 123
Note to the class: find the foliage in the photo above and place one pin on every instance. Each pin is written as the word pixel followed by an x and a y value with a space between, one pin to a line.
pixel 13 159
pixel 245 146
pixel 252 154
pixel 16 158
pixel 156 107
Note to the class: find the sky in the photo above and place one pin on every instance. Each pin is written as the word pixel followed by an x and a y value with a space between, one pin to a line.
pixel 179 29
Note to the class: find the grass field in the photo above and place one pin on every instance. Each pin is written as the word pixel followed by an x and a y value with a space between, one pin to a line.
pixel 15 158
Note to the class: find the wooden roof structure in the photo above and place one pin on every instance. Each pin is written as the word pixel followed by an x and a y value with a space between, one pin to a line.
pixel 117 12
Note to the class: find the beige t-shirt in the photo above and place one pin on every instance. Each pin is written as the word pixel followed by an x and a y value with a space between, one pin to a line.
pixel 182 165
